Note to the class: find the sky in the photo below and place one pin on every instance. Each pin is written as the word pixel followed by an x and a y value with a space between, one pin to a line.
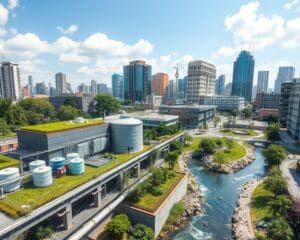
pixel 92 39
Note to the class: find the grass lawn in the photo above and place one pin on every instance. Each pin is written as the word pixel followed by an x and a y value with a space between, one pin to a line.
pixel 24 201
pixel 6 162
pixel 150 203
pixel 259 206
pixel 193 146
pixel 230 132
pixel 60 126
pixel 167 137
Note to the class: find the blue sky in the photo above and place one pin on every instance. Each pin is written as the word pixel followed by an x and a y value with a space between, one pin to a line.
pixel 92 39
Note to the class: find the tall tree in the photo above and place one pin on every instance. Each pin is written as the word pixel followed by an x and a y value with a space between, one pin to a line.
pixel 279 229
pixel 281 205
pixel 15 116
pixel 4 129
pixel 67 113
pixel 171 159
pixel 70 101
pixel 273 132
pixel 274 154
pixel 5 104
pixel 106 104
pixel 276 184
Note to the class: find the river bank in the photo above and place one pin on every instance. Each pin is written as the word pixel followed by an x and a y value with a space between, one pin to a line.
pixel 232 166
pixel 193 200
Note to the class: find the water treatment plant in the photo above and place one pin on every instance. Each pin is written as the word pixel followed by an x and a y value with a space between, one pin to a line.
pixel 75 174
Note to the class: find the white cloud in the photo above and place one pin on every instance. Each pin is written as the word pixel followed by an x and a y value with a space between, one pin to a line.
pixel 13 31
pixel 3 15
pixel 291 4
pixel 70 30
pixel 13 4
pixel 292 39
pixel 226 51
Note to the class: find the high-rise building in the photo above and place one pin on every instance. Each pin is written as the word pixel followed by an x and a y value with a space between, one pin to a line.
pixel 159 83
pixel 117 86
pixel 293 118
pixel 82 88
pixel 41 88
pixel 285 74
pixel 60 83
pixel 137 81
pixel 262 81
pixel 254 92
pixel 102 88
pixel 30 85
pixel 93 87
pixel 242 80
pixel 52 92
pixel 201 80
pixel 286 88
pixel 182 84
pixel 227 89
pixel 171 90
pixel 10 82
pixel 267 100
pixel 219 85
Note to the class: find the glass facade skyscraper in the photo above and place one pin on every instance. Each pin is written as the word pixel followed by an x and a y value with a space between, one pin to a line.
pixel 182 88
pixel 285 74
pixel 219 85
pixel 137 81
pixel 262 81
pixel 242 80
pixel 117 86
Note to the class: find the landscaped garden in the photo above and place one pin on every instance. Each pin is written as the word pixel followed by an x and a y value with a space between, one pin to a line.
pixel 240 132
pixel 29 198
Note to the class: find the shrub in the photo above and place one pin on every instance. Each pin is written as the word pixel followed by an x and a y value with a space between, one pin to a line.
pixel 276 184
pixel 175 212
pixel 141 232
pixel 208 146
pixel 156 191
pixel 118 225
pixel 176 146
pixel 137 193
pixel 43 232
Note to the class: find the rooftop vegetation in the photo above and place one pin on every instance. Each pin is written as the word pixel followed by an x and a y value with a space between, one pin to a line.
pixel 61 126
pixel 240 132
pixel 6 162
pixel 29 198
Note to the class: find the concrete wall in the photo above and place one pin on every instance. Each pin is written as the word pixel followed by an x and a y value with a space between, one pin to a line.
pixel 157 219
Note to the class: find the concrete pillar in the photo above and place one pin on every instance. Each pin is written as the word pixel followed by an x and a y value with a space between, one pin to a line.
pixel 67 217
pixel 97 196
pixel 120 181
pixel 138 170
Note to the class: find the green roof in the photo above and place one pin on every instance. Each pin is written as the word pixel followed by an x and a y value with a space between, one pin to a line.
pixel 61 126
pixel 6 162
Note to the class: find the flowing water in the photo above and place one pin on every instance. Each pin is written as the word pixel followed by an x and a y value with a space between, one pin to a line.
pixel 220 192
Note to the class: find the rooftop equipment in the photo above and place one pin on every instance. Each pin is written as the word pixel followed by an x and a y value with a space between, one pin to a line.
pixel 76 166
pixel 10 179
pixel 35 164
pixel 57 162
pixel 42 176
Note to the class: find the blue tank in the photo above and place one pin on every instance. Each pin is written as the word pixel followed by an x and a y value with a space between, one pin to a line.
pixel 57 162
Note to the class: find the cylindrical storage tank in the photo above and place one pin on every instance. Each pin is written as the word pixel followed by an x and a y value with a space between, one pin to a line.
pixel 76 166
pixel 57 162
pixel 12 177
pixel 35 164
pixel 42 176
pixel 127 135
pixel 79 120
pixel 71 156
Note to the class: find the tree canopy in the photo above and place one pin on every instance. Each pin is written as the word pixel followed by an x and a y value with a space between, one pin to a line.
pixel 118 225
pixel 106 104
pixel 141 232
pixel 208 146
pixel 279 229
pixel 274 154
pixel 67 113
pixel 273 132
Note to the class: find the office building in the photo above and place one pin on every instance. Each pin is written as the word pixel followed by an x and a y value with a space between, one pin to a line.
pixel 171 90
pixel 254 91
pixel 227 89
pixel 262 81
pixel 10 82
pixel 286 88
pixel 182 84
pixel 190 116
pixel 219 85
pixel 285 74
pixel 60 83
pixel 263 113
pixel 159 83
pixel 102 88
pixel 52 92
pixel 41 88
pixel 293 118
pixel 93 87
pixel 153 101
pixel 137 81
pixel 242 80
pixel 201 80
pixel 267 100
pixel 26 91
pixel 83 88
pixel 224 103
pixel 30 85
pixel 117 86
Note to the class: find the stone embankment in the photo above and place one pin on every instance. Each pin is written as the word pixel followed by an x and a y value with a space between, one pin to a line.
pixel 233 166
pixel 193 201
pixel 242 228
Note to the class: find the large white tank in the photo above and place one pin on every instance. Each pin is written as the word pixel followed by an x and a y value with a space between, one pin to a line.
pixel 35 164
pixel 71 156
pixel 127 135
pixel 42 176
pixel 76 166
pixel 12 177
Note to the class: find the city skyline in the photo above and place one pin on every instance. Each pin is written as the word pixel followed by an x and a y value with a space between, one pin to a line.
pixel 87 50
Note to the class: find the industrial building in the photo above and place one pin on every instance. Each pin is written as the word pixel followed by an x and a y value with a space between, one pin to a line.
pixel 190 116
pixel 224 103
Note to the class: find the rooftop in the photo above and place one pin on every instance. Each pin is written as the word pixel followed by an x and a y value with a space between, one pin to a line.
pixel 6 162
pixel 61 126
pixel 152 116
pixel 199 107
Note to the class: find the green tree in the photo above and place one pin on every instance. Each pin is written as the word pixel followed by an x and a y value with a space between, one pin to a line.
pixel 141 232
pixel 34 117
pixel 230 143
pixel 279 229
pixel 4 129
pixel 219 158
pixel 274 154
pixel 274 171
pixel 187 138
pixel 208 146
pixel 4 106
pixel 246 113
pixel 273 132
pixel 118 225
pixel 106 104
pixel 176 146
pixel 43 232
pixel 15 116
pixel 148 134
pixel 276 184
pixel 67 113
pixel 171 159
pixel 281 205
pixel 69 101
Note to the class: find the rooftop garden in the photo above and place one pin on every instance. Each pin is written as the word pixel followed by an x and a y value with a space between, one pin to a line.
pixel 153 192
pixel 29 198
pixel 61 126
pixel 6 162
pixel 240 132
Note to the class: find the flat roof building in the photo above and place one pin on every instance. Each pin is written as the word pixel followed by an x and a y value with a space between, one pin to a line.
pixel 267 100
pixel 190 116
pixel 293 118
pixel 286 88
pixel 159 83
pixel 224 103
pixel 82 103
